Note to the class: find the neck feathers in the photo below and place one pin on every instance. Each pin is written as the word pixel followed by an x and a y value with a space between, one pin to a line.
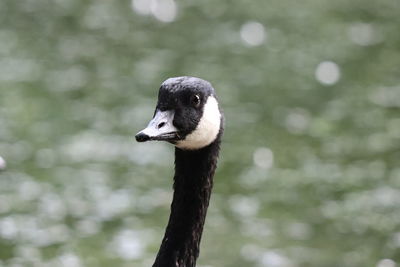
pixel 193 181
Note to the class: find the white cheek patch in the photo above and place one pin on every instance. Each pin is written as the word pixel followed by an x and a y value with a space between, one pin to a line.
pixel 207 129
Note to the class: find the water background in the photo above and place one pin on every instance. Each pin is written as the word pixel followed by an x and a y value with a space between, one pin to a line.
pixel 309 173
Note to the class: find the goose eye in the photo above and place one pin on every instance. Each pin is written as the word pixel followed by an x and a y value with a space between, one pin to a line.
pixel 195 101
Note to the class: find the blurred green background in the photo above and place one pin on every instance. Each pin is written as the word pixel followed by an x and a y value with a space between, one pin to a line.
pixel 309 173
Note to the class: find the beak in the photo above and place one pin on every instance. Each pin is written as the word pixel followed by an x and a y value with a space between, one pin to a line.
pixel 160 128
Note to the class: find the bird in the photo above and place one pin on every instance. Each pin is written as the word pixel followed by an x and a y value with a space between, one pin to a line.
pixel 188 116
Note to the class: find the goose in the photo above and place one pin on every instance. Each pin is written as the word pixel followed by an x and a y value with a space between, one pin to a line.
pixel 188 116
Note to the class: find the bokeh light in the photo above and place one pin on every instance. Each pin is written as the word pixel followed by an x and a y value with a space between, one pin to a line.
pixel 253 33
pixel 327 72
pixel 3 164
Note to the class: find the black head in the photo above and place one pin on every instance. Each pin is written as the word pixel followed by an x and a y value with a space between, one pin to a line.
pixel 187 114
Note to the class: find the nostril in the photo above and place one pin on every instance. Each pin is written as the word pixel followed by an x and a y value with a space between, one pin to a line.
pixel 162 124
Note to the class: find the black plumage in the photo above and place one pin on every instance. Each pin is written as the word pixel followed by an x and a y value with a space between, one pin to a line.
pixel 193 182
pixel 181 106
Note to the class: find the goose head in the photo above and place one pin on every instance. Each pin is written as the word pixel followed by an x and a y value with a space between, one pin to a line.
pixel 187 114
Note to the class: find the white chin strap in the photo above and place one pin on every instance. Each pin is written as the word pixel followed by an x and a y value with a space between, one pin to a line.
pixel 207 129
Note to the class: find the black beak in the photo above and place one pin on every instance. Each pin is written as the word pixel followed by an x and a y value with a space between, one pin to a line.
pixel 160 128
pixel 142 137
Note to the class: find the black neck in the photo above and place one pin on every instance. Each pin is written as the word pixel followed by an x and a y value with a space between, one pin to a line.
pixel 193 181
